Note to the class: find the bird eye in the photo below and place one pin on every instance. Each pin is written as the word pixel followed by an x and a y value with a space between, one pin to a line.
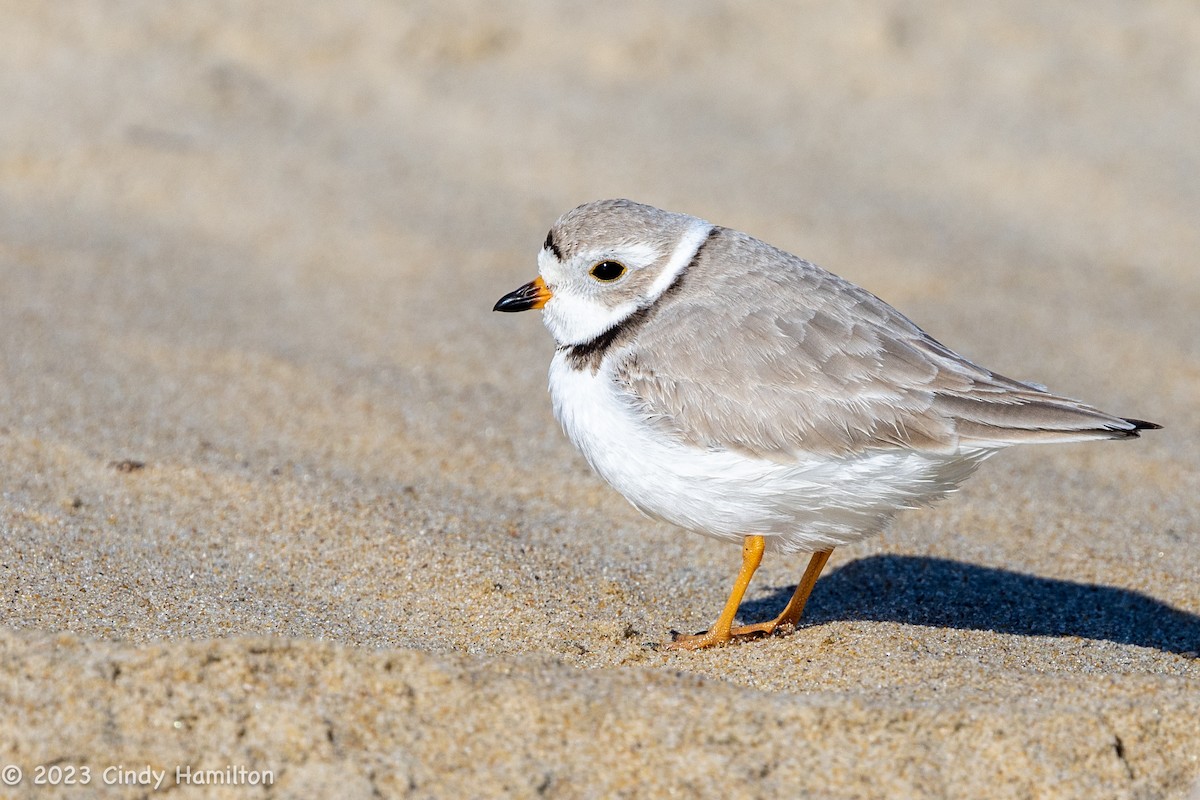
pixel 608 271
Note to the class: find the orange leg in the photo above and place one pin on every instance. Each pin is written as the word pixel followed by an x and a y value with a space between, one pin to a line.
pixel 795 608
pixel 723 631
pixel 720 632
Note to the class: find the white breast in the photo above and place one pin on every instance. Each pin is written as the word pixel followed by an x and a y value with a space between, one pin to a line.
pixel 806 504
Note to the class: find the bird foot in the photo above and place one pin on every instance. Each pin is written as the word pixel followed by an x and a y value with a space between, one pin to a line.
pixel 697 641
pixel 713 638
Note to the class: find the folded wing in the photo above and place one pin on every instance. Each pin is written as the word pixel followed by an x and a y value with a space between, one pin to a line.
pixel 777 357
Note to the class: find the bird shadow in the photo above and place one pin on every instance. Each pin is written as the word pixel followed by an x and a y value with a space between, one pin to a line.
pixel 939 592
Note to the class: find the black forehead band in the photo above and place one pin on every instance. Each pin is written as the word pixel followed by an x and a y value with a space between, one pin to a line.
pixel 552 245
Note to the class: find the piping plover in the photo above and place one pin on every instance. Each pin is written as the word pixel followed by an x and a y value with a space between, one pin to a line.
pixel 735 390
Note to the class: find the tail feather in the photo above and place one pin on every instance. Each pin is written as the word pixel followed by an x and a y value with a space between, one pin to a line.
pixel 1034 417
pixel 1140 425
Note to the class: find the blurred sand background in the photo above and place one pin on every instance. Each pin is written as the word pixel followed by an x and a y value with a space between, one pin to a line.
pixel 253 249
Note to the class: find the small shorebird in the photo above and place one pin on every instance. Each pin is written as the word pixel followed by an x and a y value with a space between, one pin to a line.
pixel 735 390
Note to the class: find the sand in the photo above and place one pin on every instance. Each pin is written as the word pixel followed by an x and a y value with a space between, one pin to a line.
pixel 281 495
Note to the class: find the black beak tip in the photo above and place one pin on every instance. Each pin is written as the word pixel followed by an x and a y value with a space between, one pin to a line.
pixel 522 299
pixel 510 303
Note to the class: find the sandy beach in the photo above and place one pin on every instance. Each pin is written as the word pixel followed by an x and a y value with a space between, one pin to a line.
pixel 279 494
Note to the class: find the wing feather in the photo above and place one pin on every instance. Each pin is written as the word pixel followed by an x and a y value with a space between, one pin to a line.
pixel 770 355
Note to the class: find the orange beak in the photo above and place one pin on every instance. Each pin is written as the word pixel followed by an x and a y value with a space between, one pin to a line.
pixel 534 294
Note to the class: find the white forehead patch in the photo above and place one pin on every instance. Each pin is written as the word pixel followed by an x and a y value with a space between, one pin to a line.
pixel 547 264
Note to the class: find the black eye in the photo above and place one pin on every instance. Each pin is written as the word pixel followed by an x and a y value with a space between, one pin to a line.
pixel 608 271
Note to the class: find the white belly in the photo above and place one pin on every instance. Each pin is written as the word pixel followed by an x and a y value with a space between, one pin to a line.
pixel 807 504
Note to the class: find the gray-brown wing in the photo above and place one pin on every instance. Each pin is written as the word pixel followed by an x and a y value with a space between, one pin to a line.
pixel 770 355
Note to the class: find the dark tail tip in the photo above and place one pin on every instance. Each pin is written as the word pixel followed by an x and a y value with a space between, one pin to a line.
pixel 1140 425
